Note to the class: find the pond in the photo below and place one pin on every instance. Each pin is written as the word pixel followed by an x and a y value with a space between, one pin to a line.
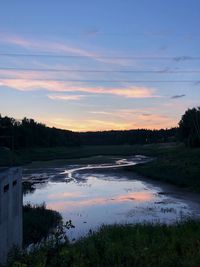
pixel 94 194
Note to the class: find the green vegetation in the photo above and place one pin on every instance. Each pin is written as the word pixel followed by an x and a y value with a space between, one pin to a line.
pixel 133 245
pixel 27 133
pixel 189 127
pixel 119 245
pixel 76 154
pixel 23 141
pixel 37 223
pixel 5 157
pixel 24 156
pixel 178 165
pixel 173 162
pixel 70 154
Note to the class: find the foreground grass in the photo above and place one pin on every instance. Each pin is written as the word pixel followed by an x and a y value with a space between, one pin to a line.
pixel 137 246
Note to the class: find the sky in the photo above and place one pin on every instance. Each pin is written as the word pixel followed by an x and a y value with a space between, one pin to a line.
pixel 99 64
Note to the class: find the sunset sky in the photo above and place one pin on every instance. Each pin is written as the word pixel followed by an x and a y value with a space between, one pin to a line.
pixel 99 64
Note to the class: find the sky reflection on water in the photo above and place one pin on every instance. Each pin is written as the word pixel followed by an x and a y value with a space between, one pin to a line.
pixel 93 198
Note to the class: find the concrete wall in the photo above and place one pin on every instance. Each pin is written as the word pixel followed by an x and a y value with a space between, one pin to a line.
pixel 10 211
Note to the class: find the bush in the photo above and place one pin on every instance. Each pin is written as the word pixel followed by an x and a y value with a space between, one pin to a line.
pixel 38 221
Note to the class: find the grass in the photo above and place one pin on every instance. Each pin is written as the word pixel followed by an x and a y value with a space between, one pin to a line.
pixel 177 165
pixel 24 156
pixel 5 157
pixel 127 246
pixel 174 163
pixel 37 223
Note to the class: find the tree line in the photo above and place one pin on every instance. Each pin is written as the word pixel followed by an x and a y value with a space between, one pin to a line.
pixel 129 137
pixel 27 133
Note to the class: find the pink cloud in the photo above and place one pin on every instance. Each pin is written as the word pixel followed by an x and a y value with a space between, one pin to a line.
pixel 65 97
pixel 55 86
pixel 132 196
pixel 35 81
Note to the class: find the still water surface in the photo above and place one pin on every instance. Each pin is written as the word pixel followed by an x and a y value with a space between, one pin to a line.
pixel 92 195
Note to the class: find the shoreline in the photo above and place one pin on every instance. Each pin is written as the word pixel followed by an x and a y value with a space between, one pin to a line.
pixel 119 238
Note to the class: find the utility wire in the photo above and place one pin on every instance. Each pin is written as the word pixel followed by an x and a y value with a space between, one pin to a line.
pixel 175 58
pixel 105 81
pixel 97 32
pixel 98 71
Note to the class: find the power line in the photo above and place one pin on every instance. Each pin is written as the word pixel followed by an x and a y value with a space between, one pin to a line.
pixel 98 71
pixel 175 58
pixel 94 32
pixel 97 32
pixel 106 81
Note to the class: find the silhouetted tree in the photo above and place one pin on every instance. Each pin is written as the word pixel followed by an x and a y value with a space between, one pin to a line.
pixel 129 137
pixel 189 127
pixel 28 133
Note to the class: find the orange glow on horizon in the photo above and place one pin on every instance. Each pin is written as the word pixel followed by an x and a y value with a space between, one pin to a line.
pixel 152 122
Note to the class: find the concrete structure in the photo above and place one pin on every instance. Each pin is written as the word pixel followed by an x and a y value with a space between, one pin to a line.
pixel 10 211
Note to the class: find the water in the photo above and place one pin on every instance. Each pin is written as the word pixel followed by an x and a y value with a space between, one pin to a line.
pixel 92 195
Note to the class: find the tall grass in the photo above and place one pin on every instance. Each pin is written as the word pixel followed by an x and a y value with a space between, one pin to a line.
pixel 128 246
pixel 37 223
